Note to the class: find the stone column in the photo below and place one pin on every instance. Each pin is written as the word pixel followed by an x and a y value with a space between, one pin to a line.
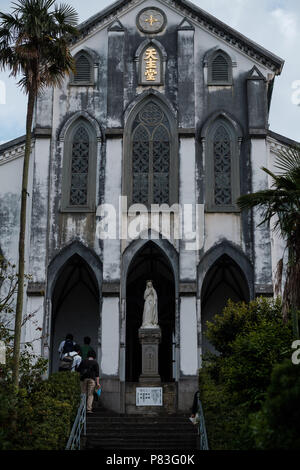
pixel 116 64
pixel 186 75
pixel 150 339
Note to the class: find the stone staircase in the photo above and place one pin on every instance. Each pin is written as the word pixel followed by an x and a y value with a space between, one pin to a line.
pixel 109 431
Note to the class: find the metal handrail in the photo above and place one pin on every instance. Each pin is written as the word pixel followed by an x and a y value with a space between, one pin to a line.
pixel 78 426
pixel 203 441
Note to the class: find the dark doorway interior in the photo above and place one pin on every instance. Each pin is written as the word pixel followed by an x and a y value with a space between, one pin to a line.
pixel 225 280
pixel 75 306
pixel 150 264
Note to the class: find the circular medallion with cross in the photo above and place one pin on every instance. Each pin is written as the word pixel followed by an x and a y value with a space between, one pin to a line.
pixel 151 20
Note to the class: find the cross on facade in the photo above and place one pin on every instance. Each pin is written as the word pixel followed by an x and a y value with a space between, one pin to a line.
pixel 151 20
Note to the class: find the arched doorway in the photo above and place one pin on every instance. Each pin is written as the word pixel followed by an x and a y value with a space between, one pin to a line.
pixel 225 280
pixel 75 306
pixel 150 263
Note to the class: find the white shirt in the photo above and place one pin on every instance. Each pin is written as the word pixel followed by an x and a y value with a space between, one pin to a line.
pixel 76 359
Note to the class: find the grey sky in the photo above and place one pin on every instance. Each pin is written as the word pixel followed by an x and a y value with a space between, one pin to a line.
pixel 274 24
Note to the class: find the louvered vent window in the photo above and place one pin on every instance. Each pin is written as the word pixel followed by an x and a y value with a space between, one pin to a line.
pixel 83 72
pixel 220 69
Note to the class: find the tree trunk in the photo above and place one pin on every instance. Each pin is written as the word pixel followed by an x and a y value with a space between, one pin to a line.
pixel 291 296
pixel 21 268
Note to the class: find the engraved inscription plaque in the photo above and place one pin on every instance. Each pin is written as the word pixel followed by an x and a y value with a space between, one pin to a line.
pixel 149 396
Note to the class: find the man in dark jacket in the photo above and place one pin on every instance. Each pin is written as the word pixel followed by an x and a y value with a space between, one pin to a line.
pixel 89 378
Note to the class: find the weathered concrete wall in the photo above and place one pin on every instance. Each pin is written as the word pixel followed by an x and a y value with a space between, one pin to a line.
pixel 113 45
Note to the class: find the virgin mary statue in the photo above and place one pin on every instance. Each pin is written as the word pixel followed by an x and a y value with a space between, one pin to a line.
pixel 150 315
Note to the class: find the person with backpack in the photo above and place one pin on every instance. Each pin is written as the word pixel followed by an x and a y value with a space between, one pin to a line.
pixel 86 348
pixel 66 346
pixel 89 378
pixel 71 360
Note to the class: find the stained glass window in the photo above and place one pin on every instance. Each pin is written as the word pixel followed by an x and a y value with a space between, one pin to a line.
pixel 151 156
pixel 222 167
pixel 80 168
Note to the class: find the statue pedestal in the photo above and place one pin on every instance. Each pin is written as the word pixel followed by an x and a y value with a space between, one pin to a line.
pixel 150 339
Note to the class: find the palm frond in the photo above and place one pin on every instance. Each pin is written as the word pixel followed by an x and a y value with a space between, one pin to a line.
pixel 66 15
pixel 287 159
pixel 34 42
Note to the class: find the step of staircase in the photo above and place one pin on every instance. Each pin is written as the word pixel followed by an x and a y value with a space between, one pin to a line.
pixel 109 431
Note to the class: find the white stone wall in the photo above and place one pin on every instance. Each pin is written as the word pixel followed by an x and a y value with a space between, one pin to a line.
pixel 110 336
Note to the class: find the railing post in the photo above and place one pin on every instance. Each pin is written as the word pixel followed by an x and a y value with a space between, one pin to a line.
pixel 79 424
pixel 202 428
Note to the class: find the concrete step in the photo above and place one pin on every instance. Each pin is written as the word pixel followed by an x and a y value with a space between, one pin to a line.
pixel 140 436
pixel 137 430
pixel 168 432
pixel 146 445
pixel 107 420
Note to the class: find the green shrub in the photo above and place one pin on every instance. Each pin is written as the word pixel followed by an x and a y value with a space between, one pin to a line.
pixel 277 425
pixel 44 423
pixel 224 420
pixel 239 318
pixel 45 413
pixel 247 371
pixel 251 339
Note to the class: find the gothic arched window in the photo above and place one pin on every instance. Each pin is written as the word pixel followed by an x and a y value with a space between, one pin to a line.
pixel 222 165
pixel 152 162
pixel 220 69
pixel 79 168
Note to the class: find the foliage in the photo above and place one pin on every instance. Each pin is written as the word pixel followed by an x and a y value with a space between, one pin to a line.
pixel 44 409
pixel 283 199
pixel 281 204
pixel 240 318
pixel 45 413
pixel 277 425
pixel 251 340
pixel 248 369
pixel 34 43
pixel 223 418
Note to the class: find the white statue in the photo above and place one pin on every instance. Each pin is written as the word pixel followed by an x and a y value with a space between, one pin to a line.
pixel 150 315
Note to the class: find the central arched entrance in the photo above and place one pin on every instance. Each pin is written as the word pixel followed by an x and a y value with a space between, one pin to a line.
pixel 150 263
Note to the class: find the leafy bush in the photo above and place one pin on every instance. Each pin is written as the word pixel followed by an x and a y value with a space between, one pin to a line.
pixel 277 425
pixel 224 419
pixel 45 414
pixel 247 370
pixel 251 340
pixel 40 415
pixel 239 318
pixel 258 341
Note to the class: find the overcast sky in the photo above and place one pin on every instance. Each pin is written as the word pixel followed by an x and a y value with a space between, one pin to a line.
pixel 274 24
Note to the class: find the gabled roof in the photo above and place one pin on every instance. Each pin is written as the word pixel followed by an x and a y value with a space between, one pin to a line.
pixel 205 20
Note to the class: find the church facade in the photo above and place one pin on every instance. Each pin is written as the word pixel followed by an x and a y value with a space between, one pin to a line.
pixel 168 110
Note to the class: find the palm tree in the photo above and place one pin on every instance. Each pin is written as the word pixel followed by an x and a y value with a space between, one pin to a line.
pixel 34 44
pixel 281 203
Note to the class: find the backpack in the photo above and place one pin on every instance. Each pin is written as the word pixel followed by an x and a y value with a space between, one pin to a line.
pixel 66 364
pixel 68 346
pixel 86 370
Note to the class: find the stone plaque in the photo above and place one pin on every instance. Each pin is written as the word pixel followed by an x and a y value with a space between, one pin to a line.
pixel 149 396
pixel 2 353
